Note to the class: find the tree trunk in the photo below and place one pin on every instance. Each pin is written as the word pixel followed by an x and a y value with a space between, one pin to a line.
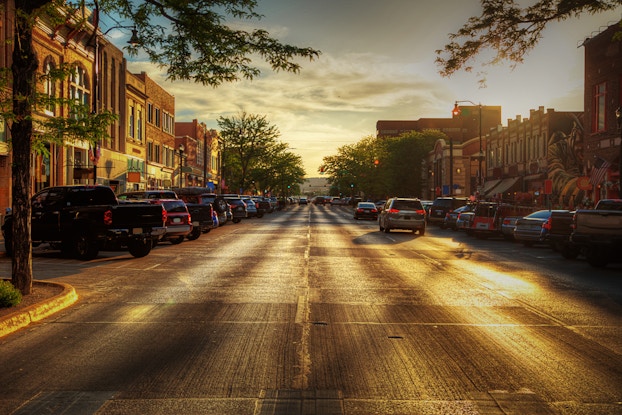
pixel 24 67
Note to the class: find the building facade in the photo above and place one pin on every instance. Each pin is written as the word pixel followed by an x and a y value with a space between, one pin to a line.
pixel 141 150
pixel 203 153
pixel 602 97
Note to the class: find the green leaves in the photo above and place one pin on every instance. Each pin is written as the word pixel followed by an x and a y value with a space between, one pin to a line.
pixel 510 31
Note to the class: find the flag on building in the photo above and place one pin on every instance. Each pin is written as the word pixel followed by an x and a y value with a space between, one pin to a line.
pixel 94 153
pixel 599 171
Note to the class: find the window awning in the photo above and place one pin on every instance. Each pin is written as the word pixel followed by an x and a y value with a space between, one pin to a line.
pixel 504 186
pixel 489 185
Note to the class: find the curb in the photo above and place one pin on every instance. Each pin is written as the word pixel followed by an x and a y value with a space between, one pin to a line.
pixel 37 312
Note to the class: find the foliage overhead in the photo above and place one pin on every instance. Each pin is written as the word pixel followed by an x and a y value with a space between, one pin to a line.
pixel 205 41
pixel 510 30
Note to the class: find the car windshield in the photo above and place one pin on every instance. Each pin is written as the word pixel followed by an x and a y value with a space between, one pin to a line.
pixel 407 205
pixel 366 205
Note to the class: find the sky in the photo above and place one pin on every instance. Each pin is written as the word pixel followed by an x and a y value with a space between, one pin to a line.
pixel 377 63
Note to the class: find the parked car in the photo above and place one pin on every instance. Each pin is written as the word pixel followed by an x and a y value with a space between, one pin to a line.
pixel 263 205
pixel 464 221
pixel 531 229
pixel 508 224
pixel 219 204
pixel 178 220
pixel 380 204
pixel 452 217
pixel 81 220
pixel 366 210
pixel 402 213
pixel 443 205
pixel 489 217
pixel 202 219
pixel 238 209
pixel 251 208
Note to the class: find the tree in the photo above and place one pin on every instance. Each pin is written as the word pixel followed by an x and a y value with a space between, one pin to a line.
pixel 248 139
pixel 277 168
pixel 192 39
pixel 383 167
pixel 511 31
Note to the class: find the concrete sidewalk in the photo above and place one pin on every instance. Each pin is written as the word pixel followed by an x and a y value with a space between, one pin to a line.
pixel 36 312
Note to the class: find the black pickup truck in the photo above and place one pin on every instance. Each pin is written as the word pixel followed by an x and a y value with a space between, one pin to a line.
pixel 598 232
pixel 560 229
pixel 82 220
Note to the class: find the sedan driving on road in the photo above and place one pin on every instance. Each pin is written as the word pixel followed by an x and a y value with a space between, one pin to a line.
pixel 366 210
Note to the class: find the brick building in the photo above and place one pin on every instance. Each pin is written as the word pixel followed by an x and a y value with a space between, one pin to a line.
pixel 161 148
pixel 603 95
pixel 203 151
pixel 453 165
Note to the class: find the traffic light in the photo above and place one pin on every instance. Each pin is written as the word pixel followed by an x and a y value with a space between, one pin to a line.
pixel 351 184
pixel 456 110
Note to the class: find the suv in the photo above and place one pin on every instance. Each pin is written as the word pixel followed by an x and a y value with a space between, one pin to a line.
pixel 402 213
pixel 442 206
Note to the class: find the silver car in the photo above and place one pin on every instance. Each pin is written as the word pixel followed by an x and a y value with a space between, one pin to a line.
pixel 402 213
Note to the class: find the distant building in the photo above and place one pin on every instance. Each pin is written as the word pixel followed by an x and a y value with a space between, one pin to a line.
pixel 313 186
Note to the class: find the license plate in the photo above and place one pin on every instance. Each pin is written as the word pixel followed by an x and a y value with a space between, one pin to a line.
pixel 176 220
pixel 482 226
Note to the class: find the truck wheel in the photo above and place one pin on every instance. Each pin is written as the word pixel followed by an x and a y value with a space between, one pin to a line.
pixel 220 205
pixel 85 247
pixel 569 252
pixel 196 232
pixel 596 259
pixel 139 248
pixel 176 241
pixel 421 231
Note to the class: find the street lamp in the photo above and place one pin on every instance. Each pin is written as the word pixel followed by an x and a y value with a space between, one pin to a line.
pixel 619 122
pixel 456 112
pixel 181 149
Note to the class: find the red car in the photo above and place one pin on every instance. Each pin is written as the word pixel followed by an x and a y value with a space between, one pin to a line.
pixel 178 220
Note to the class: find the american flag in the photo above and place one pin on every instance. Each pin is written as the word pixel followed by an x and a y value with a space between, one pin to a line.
pixel 599 171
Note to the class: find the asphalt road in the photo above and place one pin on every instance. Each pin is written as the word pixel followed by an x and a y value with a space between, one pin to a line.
pixel 307 311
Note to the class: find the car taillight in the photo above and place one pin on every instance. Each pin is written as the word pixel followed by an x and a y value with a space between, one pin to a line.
pixel 393 210
pixel 420 212
pixel 164 216
pixel 108 217
pixel 547 225
pixel 374 210
pixel 189 219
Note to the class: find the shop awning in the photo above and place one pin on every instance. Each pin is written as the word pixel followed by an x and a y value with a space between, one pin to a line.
pixel 504 186
pixel 489 185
